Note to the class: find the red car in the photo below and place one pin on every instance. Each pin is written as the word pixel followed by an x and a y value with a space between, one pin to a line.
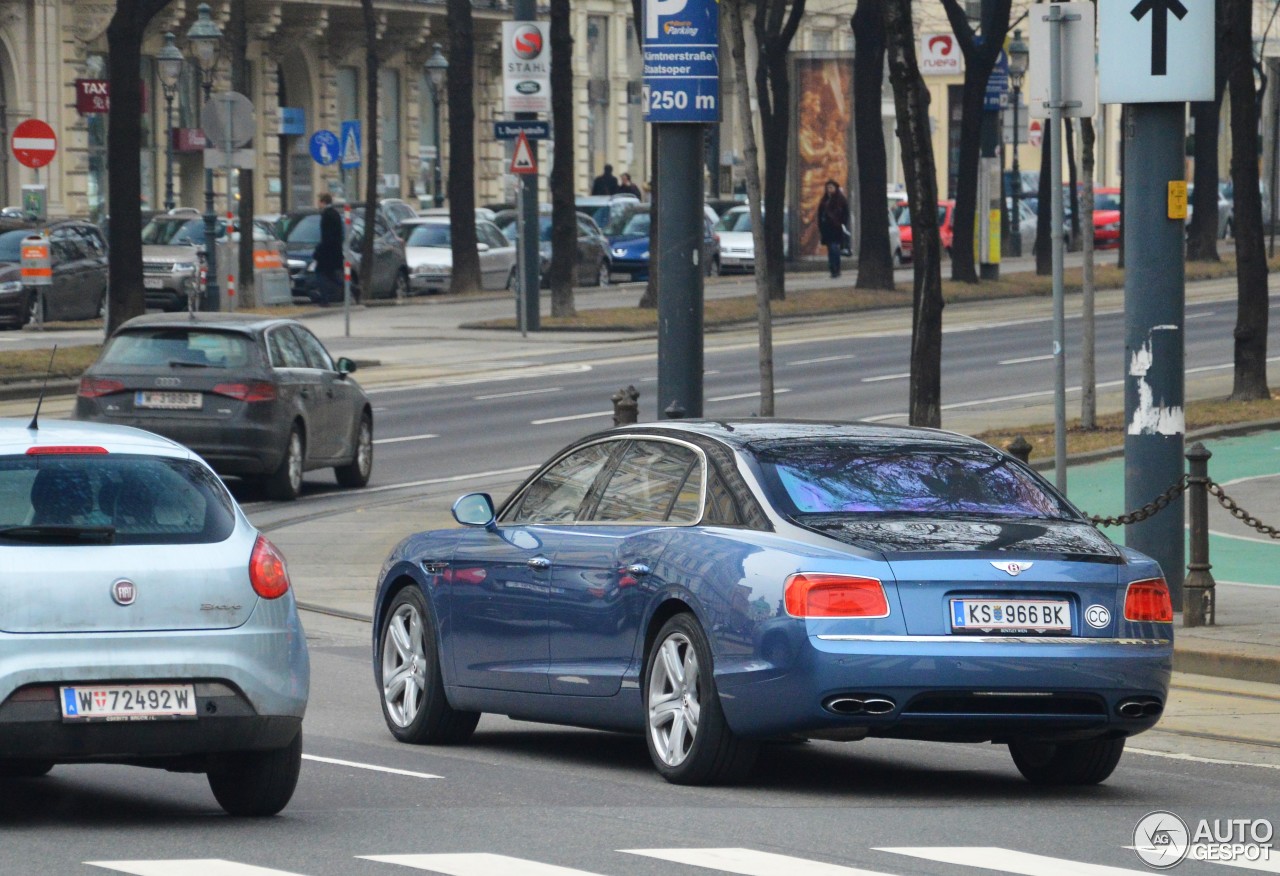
pixel 946 211
pixel 1106 218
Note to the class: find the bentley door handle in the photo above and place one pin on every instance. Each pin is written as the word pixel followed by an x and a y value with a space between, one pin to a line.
pixel 539 563
pixel 638 570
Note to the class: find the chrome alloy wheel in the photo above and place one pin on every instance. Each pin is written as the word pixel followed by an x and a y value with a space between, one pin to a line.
pixel 674 699
pixel 364 449
pixel 295 462
pixel 404 665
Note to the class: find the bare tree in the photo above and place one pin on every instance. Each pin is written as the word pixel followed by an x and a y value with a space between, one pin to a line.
pixel 1202 230
pixel 1088 342
pixel 649 299
pixel 733 30
pixel 1043 245
pixel 371 139
pixel 564 227
pixel 1251 262
pixel 124 142
pixel 911 100
pixel 979 60
pixel 462 149
pixel 775 23
pixel 238 38
pixel 875 261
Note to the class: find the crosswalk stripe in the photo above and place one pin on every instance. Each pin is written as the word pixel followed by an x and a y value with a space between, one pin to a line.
pixel 1011 861
pixel 477 864
pixel 749 862
pixel 198 867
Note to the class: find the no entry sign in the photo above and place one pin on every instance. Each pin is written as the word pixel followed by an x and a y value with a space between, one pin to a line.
pixel 34 143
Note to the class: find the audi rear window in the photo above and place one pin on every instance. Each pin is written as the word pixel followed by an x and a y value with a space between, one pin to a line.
pixel 129 499
pixel 179 347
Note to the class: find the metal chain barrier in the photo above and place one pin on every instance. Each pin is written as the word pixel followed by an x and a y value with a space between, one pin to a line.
pixel 1216 490
pixel 1151 509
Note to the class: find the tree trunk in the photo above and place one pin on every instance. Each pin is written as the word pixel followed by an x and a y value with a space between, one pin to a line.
pixel 1088 343
pixel 911 100
pixel 564 224
pixel 875 261
pixel 1073 191
pixel 124 143
pixel 367 290
pixel 1202 231
pixel 1044 245
pixel 1251 262
pixel 460 87
pixel 239 37
pixel 649 298
pixel 751 156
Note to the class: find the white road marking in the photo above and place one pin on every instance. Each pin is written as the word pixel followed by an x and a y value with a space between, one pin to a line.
pixel 1011 861
pixel 491 377
pixel 886 377
pixel 1212 760
pixel 822 359
pixel 1202 315
pixel 477 864
pixel 1025 359
pixel 403 438
pixel 191 867
pixel 1272 866
pixel 742 395
pixel 517 393
pixel 570 417
pixel 368 766
pixel 749 862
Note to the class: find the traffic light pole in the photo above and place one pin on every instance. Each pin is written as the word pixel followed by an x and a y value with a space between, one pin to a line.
pixel 677 262
pixel 528 310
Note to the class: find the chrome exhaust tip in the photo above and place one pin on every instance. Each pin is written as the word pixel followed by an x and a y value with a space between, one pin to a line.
pixel 1145 707
pixel 849 704
pixel 878 706
pixel 1152 709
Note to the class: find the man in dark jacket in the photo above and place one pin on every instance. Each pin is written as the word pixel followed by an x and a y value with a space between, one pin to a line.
pixel 833 219
pixel 627 187
pixel 328 254
pixel 606 183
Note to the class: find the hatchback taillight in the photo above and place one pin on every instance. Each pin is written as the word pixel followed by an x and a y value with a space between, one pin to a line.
pixel 93 387
pixel 812 594
pixel 253 391
pixel 1148 601
pixel 267 572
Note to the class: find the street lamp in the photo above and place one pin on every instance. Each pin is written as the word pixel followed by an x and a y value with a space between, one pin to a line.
pixel 169 68
pixel 1018 55
pixel 205 39
pixel 437 65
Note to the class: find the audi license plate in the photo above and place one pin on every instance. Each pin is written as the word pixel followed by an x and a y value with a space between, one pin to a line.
pixel 1038 616
pixel 152 282
pixel 171 401
pixel 128 702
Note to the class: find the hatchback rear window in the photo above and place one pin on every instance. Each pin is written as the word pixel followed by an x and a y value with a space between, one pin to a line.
pixel 145 499
pixel 844 478
pixel 180 347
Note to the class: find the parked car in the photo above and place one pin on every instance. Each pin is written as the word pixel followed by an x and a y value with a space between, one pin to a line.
pixel 724 205
pixel 946 231
pixel 591 259
pixel 78 284
pixel 390 269
pixel 737 245
pixel 602 208
pixel 173 252
pixel 714 584
pixel 628 236
pixel 257 397
pixel 1106 217
pixel 1226 213
pixel 172 638
pixel 428 248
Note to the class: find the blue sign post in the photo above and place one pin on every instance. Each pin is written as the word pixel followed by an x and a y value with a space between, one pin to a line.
pixel 682 61
pixel 349 157
pixel 324 147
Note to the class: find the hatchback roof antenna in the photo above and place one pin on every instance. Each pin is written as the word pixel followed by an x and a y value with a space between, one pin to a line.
pixel 35 424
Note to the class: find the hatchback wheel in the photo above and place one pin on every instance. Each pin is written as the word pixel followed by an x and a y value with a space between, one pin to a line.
pixel 256 783
pixel 285 483
pixel 24 769
pixel 602 273
pixel 1067 763
pixel 689 740
pixel 356 472
pixel 511 280
pixel 37 310
pixel 400 291
pixel 408 670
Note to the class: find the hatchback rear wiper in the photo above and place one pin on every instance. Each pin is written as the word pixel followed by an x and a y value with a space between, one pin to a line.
pixel 60 533
pixel 179 363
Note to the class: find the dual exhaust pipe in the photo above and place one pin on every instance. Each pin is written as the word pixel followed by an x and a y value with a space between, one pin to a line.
pixel 857 704
pixel 1141 707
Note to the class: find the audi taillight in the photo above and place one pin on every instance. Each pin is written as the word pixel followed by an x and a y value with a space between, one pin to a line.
pixel 1148 601
pixel 267 572
pixel 254 391
pixel 94 387
pixel 810 594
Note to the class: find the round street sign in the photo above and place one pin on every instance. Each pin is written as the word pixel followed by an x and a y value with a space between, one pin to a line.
pixel 324 147
pixel 227 119
pixel 1035 134
pixel 34 144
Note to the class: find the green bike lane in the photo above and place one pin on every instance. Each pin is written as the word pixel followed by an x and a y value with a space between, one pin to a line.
pixel 1246 466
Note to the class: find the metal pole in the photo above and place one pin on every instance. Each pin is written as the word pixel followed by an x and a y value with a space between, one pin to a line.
pixel 436 177
pixel 676 257
pixel 346 271
pixel 230 144
pixel 1198 593
pixel 1015 218
pixel 523 279
pixel 212 301
pixel 527 10
pixel 1275 156
pixel 169 203
pixel 1056 220
pixel 1154 296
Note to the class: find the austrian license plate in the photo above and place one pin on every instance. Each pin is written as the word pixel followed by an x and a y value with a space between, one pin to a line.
pixel 152 283
pixel 1039 616
pixel 172 401
pixel 128 702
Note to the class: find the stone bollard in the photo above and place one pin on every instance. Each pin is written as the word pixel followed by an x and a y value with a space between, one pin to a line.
pixel 626 406
pixel 1198 593
pixel 1019 447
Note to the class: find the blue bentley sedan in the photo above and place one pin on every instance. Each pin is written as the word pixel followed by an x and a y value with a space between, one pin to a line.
pixel 712 585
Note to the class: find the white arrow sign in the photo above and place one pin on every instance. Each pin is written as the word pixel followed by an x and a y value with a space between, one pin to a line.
pixel 1155 51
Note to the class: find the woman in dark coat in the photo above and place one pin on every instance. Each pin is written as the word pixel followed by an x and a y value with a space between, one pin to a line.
pixel 833 219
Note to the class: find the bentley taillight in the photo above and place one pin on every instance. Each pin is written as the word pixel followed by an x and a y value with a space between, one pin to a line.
pixel 1148 601
pixel 818 594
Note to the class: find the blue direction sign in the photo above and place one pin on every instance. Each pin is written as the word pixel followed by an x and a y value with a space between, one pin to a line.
pixel 996 96
pixel 532 130
pixel 350 136
pixel 681 61
pixel 324 147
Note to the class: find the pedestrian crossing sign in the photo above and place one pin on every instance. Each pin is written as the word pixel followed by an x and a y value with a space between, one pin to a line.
pixel 350 156
pixel 522 160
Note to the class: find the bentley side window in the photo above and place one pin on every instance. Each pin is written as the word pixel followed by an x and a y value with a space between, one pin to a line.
pixel 558 493
pixel 655 481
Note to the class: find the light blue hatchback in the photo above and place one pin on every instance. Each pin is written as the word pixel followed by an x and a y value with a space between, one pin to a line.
pixel 144 620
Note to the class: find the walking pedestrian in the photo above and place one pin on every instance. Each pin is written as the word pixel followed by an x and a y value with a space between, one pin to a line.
pixel 328 254
pixel 627 187
pixel 606 183
pixel 833 219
